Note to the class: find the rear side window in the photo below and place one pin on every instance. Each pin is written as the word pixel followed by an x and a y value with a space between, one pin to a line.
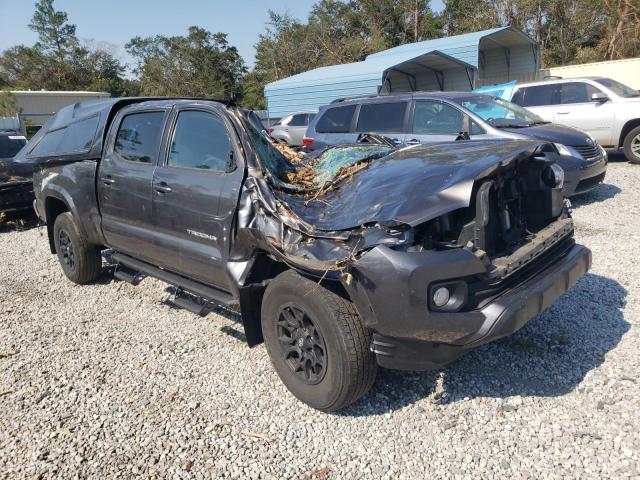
pixel 382 117
pixel 74 138
pixel 540 95
pixel 336 120
pixel 200 140
pixel 435 118
pixel 138 137
pixel 299 120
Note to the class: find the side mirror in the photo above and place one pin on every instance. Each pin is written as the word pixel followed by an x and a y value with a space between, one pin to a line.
pixel 599 97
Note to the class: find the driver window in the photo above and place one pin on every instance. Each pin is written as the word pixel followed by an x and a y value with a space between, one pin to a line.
pixel 435 118
pixel 200 140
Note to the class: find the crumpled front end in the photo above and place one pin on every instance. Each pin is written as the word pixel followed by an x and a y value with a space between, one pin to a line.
pixel 440 247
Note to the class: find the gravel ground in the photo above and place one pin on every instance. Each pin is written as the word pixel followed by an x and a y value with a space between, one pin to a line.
pixel 108 379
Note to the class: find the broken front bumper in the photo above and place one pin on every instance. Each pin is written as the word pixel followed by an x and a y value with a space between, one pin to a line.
pixel 16 199
pixel 390 289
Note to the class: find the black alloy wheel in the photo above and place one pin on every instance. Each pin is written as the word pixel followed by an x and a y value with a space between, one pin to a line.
pixel 66 249
pixel 302 344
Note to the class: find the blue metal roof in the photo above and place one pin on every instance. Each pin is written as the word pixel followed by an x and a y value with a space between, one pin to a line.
pixel 319 86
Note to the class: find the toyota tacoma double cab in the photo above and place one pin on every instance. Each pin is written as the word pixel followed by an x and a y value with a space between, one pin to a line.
pixel 342 260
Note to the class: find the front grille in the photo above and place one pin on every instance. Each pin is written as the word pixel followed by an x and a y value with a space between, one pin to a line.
pixel 588 152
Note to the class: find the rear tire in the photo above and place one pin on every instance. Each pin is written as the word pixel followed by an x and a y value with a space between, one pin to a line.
pixel 631 146
pixel 317 343
pixel 80 259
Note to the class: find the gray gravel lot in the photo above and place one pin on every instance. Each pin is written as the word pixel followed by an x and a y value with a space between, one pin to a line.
pixel 107 380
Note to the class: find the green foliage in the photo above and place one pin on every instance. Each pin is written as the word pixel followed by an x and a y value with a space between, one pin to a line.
pixel 58 61
pixel 202 64
pixel 8 105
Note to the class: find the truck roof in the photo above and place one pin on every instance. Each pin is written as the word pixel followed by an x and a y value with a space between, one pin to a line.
pixel 90 120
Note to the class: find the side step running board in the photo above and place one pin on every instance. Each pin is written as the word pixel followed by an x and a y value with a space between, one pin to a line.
pixel 198 289
pixel 134 278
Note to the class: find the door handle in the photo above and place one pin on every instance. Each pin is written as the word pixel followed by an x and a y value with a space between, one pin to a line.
pixel 107 180
pixel 563 113
pixel 413 141
pixel 162 187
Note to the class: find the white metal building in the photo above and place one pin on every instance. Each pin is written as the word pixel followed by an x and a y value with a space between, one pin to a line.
pixel 453 63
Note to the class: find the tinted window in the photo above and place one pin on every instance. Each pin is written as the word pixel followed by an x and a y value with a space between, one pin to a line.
pixel 77 137
pixel 518 97
pixel 138 136
pixel 576 92
pixel 381 117
pixel 299 120
pixel 435 118
pixel 540 95
pixel 49 143
pixel 200 140
pixel 336 120
pixel 10 145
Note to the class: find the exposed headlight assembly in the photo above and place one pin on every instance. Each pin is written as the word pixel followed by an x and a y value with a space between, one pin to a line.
pixel 553 176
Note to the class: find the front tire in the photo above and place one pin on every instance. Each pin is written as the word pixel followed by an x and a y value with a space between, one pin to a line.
pixel 317 342
pixel 80 260
pixel 631 145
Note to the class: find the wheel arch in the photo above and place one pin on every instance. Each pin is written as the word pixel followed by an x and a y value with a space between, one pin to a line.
pixel 53 207
pixel 630 125
pixel 263 270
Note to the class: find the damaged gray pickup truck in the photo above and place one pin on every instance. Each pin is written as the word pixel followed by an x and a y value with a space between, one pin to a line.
pixel 341 261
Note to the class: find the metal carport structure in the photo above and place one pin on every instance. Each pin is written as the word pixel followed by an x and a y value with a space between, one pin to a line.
pixel 452 63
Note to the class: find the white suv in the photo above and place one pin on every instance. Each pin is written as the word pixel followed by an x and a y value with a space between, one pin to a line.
pixel 607 110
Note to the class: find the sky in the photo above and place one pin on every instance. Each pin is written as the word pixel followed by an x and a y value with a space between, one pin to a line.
pixel 117 21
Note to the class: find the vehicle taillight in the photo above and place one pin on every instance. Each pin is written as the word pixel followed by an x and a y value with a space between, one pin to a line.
pixel 307 142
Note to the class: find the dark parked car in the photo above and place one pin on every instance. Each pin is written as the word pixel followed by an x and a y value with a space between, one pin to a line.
pixel 422 118
pixel 353 257
pixel 16 192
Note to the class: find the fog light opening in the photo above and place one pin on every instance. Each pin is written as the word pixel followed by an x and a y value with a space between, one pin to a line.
pixel 441 297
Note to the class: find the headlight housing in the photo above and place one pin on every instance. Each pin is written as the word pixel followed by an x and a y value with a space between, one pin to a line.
pixel 553 176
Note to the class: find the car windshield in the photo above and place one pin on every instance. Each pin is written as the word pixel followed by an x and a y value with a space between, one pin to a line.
pixel 499 113
pixel 618 88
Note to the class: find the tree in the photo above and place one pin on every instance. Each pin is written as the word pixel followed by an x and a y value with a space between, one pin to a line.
pixel 336 32
pixel 8 105
pixel 58 61
pixel 202 64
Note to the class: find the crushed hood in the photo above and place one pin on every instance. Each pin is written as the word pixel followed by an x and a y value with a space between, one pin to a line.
pixel 409 186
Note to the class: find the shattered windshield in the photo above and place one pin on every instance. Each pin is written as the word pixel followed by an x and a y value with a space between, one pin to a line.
pixel 499 113
pixel 302 172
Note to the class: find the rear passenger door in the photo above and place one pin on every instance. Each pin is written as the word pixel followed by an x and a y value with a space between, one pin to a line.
pixel 195 192
pixel 124 180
